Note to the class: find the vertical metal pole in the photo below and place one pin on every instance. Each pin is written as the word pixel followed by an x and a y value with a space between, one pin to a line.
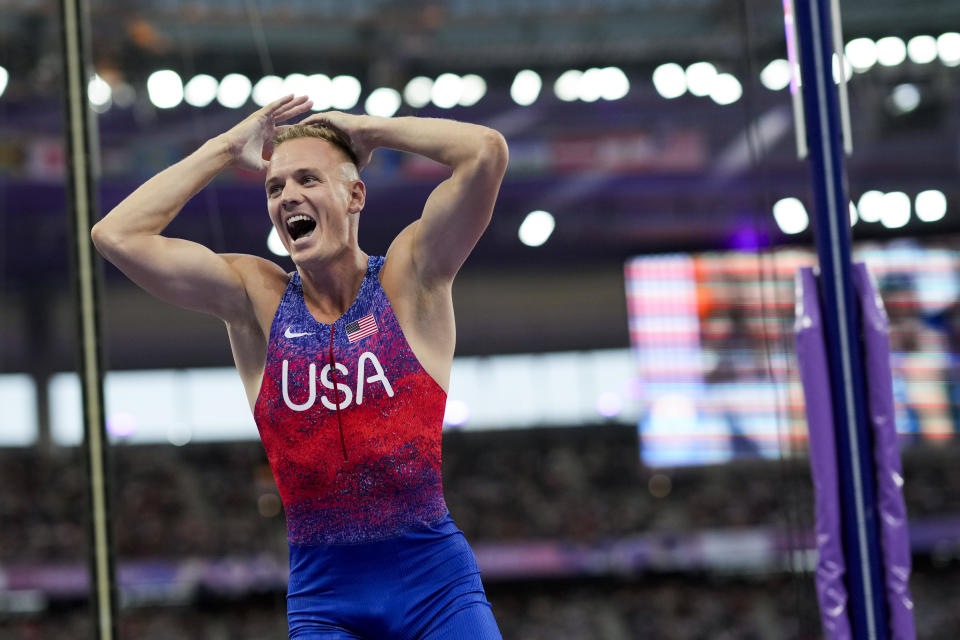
pixel 841 321
pixel 79 131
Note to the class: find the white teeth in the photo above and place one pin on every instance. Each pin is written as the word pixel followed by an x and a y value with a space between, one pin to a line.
pixel 297 218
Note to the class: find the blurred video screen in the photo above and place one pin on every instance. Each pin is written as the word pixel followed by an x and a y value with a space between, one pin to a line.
pixel 712 335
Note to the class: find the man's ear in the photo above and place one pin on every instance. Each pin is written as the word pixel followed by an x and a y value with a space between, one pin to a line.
pixel 358 196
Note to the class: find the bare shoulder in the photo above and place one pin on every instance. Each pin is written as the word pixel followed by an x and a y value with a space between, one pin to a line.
pixel 424 311
pixel 264 281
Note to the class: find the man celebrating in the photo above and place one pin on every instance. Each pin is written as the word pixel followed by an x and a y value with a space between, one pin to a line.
pixel 346 361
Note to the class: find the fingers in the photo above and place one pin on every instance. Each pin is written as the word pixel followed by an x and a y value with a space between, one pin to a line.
pixel 287 107
pixel 301 105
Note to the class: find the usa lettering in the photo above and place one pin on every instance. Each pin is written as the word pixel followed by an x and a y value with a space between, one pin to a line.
pixel 340 387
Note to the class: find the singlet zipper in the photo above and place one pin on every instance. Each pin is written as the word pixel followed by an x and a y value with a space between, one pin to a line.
pixel 333 369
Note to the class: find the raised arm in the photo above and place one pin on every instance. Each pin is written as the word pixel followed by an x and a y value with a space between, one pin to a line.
pixel 179 271
pixel 459 209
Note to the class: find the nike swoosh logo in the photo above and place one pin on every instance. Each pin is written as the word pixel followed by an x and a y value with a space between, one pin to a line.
pixel 291 334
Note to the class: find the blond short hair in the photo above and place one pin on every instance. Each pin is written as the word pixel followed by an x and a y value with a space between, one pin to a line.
pixel 336 137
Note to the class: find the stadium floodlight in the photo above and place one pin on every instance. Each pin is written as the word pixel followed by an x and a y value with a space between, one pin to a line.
pixel 891 51
pixel 614 83
pixel 591 85
pixel 234 90
pixel 669 80
pixel 4 79
pixel 922 49
pixel 567 85
pixel 847 68
pixel 791 215
pixel 165 89
pixel 536 228
pixel 948 48
pixel 776 75
pixel 700 78
pixel 905 98
pixel 456 413
pixel 526 87
pixel 446 90
pixel 201 90
pixel 345 92
pixel 99 94
pixel 726 89
pixel 297 84
pixel 267 89
pixel 853 214
pixel 320 91
pixel 870 206
pixel 418 91
pixel 275 245
pixel 862 54
pixel 930 205
pixel 473 89
pixel 896 210
pixel 382 102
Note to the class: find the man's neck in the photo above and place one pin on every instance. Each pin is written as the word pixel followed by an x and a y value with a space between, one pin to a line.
pixel 330 288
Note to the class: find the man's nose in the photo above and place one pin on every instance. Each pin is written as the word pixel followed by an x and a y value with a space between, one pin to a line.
pixel 290 195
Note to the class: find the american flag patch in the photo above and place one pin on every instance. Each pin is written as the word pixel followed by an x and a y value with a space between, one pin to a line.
pixel 360 329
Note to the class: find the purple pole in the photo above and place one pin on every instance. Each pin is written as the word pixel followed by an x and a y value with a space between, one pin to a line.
pixel 812 360
pixel 894 535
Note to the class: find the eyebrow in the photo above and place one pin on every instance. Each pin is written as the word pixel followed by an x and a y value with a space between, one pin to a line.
pixel 296 172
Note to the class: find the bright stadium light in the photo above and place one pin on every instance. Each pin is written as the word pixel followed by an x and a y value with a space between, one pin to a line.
pixel 234 90
pixel 473 89
pixel 446 90
pixel 275 245
pixel 99 94
pixel 776 75
pixel 791 215
pixel 4 79
pixel 165 89
pixel 614 83
pixel 526 87
pixel 346 92
pixel 922 49
pixel 320 91
pixel 700 78
pixel 948 48
pixel 870 206
pixel 726 89
pixel 456 414
pixel 201 89
pixel 862 54
pixel 847 68
pixel 891 51
pixel 591 85
pixel 567 85
pixel 896 210
pixel 669 80
pixel 297 84
pixel 267 89
pixel 418 91
pixel 382 102
pixel 536 228
pixel 905 97
pixel 930 205
pixel 853 214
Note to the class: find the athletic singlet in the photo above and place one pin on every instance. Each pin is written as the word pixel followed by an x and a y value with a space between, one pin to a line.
pixel 350 421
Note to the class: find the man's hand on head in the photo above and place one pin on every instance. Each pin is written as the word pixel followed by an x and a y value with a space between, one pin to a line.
pixel 354 127
pixel 251 141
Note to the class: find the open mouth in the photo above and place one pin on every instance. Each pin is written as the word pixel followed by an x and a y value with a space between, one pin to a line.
pixel 300 226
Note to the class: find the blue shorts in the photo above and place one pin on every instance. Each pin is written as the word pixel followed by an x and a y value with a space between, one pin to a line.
pixel 423 584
